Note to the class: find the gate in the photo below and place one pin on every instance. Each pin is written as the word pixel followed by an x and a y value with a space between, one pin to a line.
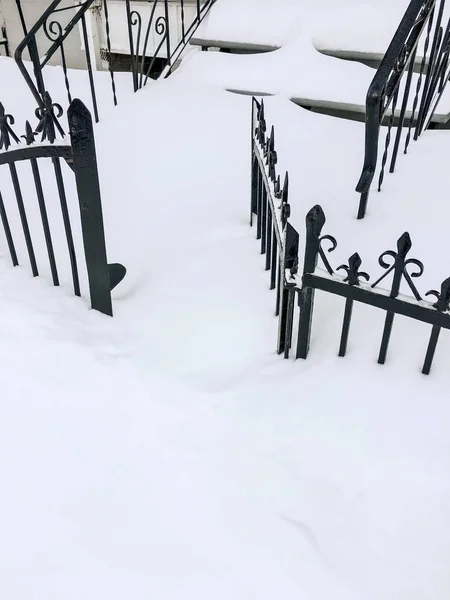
pixel 80 155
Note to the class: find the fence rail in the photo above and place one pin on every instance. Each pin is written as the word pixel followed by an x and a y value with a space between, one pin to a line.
pixel 269 204
pixel 80 155
pixel 403 99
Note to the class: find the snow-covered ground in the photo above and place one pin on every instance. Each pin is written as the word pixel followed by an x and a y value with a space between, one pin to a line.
pixel 168 453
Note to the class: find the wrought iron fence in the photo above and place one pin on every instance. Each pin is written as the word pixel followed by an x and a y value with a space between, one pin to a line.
pixel 280 244
pixel 406 89
pixel 80 155
pixel 4 41
pixel 161 31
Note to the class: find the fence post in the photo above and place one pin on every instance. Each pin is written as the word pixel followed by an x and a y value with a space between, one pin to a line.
pixel 289 262
pixel 88 187
pixel 315 220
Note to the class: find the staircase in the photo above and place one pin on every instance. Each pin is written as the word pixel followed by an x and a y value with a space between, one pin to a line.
pixel 323 64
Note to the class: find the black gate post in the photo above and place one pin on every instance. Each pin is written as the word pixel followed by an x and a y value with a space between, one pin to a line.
pixel 315 220
pixel 88 186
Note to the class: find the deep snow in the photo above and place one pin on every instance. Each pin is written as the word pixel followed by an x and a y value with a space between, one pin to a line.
pixel 168 452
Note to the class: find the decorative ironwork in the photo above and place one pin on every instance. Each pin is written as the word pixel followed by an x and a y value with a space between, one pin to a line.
pixel 80 156
pixel 152 53
pixel 355 287
pixel 48 114
pixel 280 243
pixel 49 28
pixel 6 133
pixel 423 21
pixel 352 270
pixel 270 205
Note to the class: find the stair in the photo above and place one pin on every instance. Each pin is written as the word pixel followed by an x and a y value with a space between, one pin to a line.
pixel 324 65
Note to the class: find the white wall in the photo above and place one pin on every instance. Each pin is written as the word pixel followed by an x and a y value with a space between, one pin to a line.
pixel 32 10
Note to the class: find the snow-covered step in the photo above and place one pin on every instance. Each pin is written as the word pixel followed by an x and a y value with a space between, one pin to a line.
pixel 359 33
pixel 296 71
pixel 249 26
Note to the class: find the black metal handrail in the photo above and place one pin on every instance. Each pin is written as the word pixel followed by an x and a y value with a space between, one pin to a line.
pixel 147 40
pixel 51 28
pixel 391 87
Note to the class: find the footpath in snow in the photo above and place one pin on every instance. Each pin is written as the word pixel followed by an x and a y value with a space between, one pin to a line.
pixel 168 452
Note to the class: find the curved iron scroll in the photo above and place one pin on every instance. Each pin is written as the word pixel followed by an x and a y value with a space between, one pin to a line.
pixel 163 35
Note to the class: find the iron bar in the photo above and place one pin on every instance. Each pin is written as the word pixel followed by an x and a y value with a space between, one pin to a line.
pixel 67 226
pixel 8 234
pixel 23 219
pixel 44 219
pixel 89 66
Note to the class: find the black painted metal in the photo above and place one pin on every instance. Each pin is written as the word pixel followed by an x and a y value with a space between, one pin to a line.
pixel 49 28
pixel 420 31
pixel 395 263
pixel 280 242
pixel 269 203
pixel 152 38
pixel 80 156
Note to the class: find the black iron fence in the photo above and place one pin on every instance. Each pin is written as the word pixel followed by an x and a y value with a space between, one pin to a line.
pixel 158 32
pixel 406 89
pixel 4 41
pixel 80 155
pixel 280 244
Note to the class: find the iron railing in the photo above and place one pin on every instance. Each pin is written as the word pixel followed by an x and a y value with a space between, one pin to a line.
pixel 162 35
pixel 280 243
pixel 54 27
pixel 158 31
pixel 406 89
pixel 80 155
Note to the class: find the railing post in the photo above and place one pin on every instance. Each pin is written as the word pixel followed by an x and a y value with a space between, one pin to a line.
pixel 315 220
pixel 88 187
pixel 166 12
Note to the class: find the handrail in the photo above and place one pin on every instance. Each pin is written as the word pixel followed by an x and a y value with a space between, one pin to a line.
pixel 420 21
pixel 141 38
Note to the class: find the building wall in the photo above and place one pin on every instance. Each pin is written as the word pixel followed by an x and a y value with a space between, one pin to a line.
pixel 74 51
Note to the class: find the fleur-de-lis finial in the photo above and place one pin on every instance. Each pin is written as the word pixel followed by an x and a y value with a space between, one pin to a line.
pixel 443 297
pixel 261 132
pixel 47 114
pixel 272 158
pixel 6 133
pixel 352 270
pixel 277 188
pixel 30 136
pixel 398 264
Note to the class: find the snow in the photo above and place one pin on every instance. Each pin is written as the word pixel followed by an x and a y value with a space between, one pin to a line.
pixel 271 25
pixel 298 72
pixel 168 452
